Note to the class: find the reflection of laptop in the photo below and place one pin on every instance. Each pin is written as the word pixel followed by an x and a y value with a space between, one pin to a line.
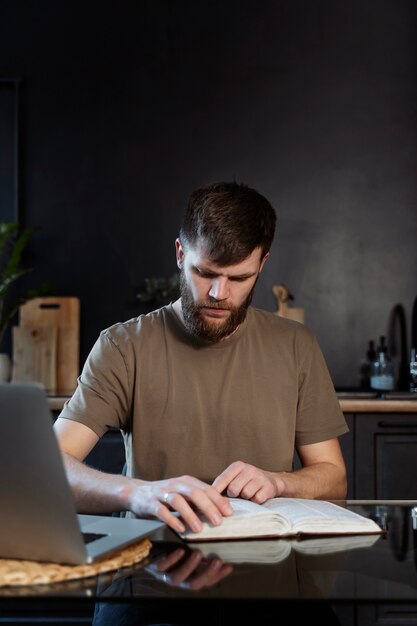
pixel 38 519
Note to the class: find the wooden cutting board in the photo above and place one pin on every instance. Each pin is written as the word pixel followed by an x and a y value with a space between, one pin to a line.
pixel 63 315
pixel 34 356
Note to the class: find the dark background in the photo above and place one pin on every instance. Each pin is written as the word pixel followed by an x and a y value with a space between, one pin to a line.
pixel 127 106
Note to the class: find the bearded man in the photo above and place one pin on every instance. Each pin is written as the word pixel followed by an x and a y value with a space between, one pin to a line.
pixel 212 395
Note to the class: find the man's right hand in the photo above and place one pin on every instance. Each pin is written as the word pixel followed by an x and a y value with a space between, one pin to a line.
pixel 185 495
pixel 98 492
pixel 188 569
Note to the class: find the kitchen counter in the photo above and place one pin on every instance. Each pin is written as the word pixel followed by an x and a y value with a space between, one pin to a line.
pixel 378 406
pixel 369 402
pixel 57 402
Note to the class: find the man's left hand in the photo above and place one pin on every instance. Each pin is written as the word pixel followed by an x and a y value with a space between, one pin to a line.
pixel 242 480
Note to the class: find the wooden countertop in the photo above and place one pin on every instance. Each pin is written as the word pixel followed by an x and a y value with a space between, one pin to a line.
pixel 362 405
pixel 349 405
pixel 57 402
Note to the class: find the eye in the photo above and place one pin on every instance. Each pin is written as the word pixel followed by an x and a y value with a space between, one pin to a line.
pixel 239 279
pixel 203 274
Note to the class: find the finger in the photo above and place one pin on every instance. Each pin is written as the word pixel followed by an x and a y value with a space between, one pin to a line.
pixel 215 571
pixel 227 568
pixel 243 480
pixel 266 492
pixel 205 577
pixel 207 500
pixel 213 505
pixel 183 495
pixel 187 568
pixel 225 478
pixel 200 494
pixel 189 517
pixel 251 488
pixel 169 560
pixel 177 503
pixel 224 571
pixel 165 515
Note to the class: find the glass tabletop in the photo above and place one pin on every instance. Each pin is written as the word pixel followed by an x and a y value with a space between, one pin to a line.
pixel 378 568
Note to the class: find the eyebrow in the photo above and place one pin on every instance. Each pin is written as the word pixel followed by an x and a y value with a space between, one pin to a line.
pixel 208 272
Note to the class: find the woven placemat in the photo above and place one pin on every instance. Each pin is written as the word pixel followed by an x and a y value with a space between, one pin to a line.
pixel 15 572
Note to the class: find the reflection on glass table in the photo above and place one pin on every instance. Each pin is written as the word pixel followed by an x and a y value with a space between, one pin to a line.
pixel 201 583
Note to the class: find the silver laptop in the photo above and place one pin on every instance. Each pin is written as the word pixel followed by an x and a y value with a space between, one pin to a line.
pixel 38 519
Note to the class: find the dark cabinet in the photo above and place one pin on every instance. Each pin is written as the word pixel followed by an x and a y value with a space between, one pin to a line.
pixel 385 456
pixel 347 444
pixel 380 452
pixel 387 615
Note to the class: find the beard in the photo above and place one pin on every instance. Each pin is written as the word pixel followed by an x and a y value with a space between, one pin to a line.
pixel 198 326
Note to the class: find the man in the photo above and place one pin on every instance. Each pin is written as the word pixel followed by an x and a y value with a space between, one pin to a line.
pixel 210 393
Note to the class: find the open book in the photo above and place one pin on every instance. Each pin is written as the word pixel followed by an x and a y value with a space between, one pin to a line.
pixel 284 517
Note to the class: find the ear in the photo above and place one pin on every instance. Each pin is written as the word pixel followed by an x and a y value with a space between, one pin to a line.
pixel 179 252
pixel 263 261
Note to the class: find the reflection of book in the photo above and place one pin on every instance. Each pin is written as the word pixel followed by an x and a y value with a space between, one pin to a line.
pixel 284 517
pixel 276 550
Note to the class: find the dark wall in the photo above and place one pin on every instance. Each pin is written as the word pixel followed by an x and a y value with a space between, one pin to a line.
pixel 127 106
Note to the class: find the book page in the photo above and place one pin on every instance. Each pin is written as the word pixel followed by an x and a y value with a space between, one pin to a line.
pixel 245 507
pixel 248 520
pixel 282 517
pixel 320 516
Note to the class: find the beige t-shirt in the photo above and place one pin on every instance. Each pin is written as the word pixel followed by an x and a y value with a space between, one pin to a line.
pixel 188 408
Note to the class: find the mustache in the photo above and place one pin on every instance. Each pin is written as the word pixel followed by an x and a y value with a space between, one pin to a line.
pixel 215 305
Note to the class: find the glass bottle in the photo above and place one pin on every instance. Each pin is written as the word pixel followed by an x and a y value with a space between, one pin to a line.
pixel 382 371
pixel 366 364
pixel 413 371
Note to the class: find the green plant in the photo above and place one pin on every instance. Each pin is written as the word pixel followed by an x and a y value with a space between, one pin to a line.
pixel 159 291
pixel 12 245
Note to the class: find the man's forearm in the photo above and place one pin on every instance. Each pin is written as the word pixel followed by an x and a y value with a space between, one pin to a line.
pixel 94 491
pixel 97 492
pixel 324 481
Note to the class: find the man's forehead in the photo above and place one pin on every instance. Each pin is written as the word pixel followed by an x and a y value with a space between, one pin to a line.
pixel 199 254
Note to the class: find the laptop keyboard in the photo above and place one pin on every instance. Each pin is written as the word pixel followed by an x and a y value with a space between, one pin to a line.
pixel 89 537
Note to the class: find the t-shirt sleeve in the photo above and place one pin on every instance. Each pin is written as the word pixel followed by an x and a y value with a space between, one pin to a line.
pixel 102 399
pixel 319 415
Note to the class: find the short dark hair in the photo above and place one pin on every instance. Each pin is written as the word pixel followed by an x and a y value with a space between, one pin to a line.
pixel 231 219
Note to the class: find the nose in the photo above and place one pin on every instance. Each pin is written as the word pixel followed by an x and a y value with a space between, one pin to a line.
pixel 219 289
